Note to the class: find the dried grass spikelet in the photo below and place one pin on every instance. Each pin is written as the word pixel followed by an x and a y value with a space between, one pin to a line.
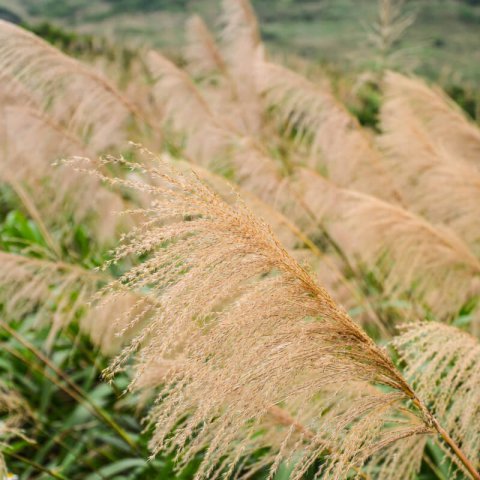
pixel 429 261
pixel 219 86
pixel 444 121
pixel 58 293
pixel 52 195
pixel 59 83
pixel 442 365
pixel 187 110
pixel 290 234
pixel 434 182
pixel 240 23
pixel 399 461
pixel 203 55
pixel 18 117
pixel 13 412
pixel 16 93
pixel 250 164
pixel 326 267
pixel 250 330
pixel 334 138
pixel 389 28
pixel 242 48
pixel 137 87
pixel 286 230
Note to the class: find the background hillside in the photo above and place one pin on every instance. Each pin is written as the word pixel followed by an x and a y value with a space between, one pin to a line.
pixel 441 45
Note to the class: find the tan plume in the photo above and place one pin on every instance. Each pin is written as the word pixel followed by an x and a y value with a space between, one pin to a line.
pixel 228 149
pixel 60 292
pixel 219 85
pixel 429 261
pixel 434 181
pixel 59 194
pixel 445 123
pixel 202 53
pixel 299 245
pixel 337 144
pixel 59 82
pixel 242 48
pixel 254 331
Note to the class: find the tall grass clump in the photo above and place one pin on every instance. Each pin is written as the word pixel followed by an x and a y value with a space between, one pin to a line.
pixel 278 292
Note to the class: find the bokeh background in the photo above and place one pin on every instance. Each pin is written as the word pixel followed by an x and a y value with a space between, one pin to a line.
pixel 443 43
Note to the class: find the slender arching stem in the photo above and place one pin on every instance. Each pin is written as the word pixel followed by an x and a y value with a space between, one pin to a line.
pixel 445 436
pixel 456 449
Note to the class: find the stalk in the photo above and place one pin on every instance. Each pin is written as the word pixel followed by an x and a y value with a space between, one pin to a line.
pixel 35 465
pixel 456 449
pixel 445 436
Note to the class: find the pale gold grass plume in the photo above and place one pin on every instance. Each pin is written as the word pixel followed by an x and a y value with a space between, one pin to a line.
pixel 202 53
pixel 206 62
pixel 435 180
pixel 242 47
pixel 444 121
pixel 335 143
pixel 59 82
pixel 239 21
pixel 228 150
pixel 187 111
pixel 428 261
pixel 251 330
pixel 52 195
pixel 327 267
pixel 60 293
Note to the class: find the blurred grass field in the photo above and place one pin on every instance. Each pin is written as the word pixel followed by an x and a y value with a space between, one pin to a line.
pixel 441 45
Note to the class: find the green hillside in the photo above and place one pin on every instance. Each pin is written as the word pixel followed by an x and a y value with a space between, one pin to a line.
pixel 442 44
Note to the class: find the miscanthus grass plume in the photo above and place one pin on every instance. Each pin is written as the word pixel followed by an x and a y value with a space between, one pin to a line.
pixel 228 150
pixel 52 195
pixel 447 378
pixel 429 261
pixel 59 292
pixel 446 124
pixel 335 143
pixel 58 82
pixel 241 335
pixel 436 181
